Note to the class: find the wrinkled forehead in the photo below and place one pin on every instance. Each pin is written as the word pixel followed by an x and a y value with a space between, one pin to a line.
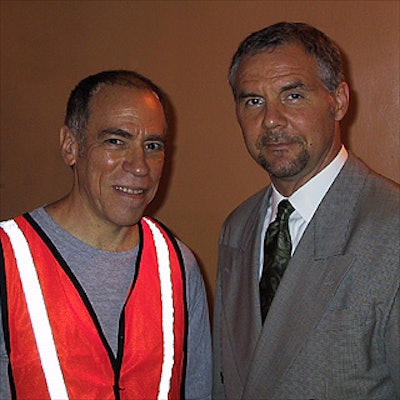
pixel 134 88
pixel 282 60
pixel 119 96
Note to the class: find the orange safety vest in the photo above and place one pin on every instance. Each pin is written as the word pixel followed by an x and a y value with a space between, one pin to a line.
pixel 55 344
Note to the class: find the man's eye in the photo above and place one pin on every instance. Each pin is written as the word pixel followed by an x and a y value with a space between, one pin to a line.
pixel 154 146
pixel 114 141
pixel 254 102
pixel 294 96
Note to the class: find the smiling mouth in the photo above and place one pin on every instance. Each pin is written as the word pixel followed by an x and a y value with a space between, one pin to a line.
pixel 127 190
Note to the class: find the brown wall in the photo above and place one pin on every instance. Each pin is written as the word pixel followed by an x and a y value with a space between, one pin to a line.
pixel 185 47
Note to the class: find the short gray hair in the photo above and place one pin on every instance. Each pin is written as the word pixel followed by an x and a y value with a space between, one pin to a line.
pixel 314 42
pixel 77 114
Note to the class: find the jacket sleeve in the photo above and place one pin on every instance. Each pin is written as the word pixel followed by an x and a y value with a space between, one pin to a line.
pixel 392 343
pixel 218 386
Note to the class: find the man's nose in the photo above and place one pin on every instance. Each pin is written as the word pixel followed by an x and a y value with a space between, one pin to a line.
pixel 135 162
pixel 273 116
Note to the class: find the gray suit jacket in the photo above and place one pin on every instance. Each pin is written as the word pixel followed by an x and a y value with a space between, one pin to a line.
pixel 333 330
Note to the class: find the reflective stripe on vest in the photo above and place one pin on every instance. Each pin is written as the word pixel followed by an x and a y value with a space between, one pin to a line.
pixel 37 311
pixel 172 324
pixel 167 309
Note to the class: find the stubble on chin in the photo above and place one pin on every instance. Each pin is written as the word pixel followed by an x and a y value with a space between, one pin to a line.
pixel 282 164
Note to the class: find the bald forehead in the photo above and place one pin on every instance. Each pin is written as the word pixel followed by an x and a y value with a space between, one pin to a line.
pixel 119 94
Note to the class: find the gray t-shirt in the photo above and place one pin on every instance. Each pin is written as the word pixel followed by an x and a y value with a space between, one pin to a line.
pixel 106 277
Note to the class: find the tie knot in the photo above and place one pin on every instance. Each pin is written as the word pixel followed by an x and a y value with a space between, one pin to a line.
pixel 284 210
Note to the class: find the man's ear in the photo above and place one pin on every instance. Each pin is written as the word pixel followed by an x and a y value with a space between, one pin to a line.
pixel 69 146
pixel 342 97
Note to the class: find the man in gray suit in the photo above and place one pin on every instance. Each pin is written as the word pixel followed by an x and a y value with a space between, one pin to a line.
pixel 332 330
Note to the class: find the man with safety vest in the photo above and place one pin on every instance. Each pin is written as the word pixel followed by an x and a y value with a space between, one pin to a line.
pixel 97 300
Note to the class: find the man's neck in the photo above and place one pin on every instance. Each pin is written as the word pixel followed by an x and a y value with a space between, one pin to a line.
pixel 99 234
pixel 287 186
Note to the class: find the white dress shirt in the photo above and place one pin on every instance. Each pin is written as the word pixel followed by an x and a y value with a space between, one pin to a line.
pixel 305 200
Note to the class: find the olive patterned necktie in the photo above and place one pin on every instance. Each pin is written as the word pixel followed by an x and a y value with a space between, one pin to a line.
pixel 277 252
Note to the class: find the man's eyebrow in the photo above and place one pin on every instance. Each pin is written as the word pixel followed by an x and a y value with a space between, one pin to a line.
pixel 127 135
pixel 245 95
pixel 115 131
pixel 294 85
pixel 156 137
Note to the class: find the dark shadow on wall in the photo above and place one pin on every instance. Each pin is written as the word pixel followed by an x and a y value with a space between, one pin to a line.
pixel 162 193
pixel 163 189
pixel 352 111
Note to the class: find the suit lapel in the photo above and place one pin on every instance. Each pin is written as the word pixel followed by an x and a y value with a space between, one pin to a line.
pixel 240 288
pixel 309 284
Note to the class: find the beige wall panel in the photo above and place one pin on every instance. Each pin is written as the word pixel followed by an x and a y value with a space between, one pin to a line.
pixel 185 47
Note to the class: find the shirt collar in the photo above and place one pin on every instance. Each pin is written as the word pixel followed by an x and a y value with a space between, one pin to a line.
pixel 307 198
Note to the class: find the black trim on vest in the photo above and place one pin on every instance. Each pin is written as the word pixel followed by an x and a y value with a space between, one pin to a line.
pixel 75 282
pixel 121 327
pixel 185 335
pixel 4 317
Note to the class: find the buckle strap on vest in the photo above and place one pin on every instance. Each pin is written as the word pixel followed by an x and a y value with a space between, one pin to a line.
pixel 37 311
